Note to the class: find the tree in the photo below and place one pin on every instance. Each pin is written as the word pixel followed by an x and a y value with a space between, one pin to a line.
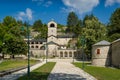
pixel 11 37
pixel 16 47
pixel 37 25
pixel 114 25
pixel 9 21
pixel 1 36
pixel 78 28
pixel 72 21
pixel 43 32
pixel 93 31
pixel 2 32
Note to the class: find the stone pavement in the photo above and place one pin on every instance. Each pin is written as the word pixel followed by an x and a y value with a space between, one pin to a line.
pixel 67 71
pixel 17 74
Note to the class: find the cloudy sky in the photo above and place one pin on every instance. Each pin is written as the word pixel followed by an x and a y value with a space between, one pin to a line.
pixel 31 10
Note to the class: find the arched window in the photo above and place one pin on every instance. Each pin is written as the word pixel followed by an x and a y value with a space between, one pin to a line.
pixel 32 46
pixel 98 51
pixel 42 47
pixel 52 25
pixel 36 42
pixel 40 42
pixel 36 46
pixel 32 42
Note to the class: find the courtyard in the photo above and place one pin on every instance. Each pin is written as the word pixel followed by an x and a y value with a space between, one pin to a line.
pixel 60 40
pixel 65 69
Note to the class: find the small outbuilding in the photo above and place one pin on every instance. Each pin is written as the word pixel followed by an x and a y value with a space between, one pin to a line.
pixel 116 53
pixel 100 53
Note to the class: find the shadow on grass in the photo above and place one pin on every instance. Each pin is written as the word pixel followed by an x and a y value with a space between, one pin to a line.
pixel 35 76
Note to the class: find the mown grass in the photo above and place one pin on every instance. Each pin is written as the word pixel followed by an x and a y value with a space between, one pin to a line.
pixel 40 73
pixel 10 64
pixel 101 73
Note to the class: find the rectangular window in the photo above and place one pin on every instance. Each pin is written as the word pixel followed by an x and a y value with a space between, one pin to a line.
pixel 98 51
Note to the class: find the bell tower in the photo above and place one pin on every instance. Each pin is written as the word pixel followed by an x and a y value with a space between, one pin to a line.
pixel 52 31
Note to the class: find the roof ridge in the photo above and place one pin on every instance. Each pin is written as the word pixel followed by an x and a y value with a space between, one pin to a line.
pixel 103 42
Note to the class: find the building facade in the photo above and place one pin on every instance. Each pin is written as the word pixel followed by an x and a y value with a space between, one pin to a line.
pixel 115 53
pixel 54 46
pixel 106 54
pixel 100 53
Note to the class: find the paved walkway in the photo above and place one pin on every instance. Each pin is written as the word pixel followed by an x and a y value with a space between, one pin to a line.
pixel 63 70
pixel 17 74
pixel 67 71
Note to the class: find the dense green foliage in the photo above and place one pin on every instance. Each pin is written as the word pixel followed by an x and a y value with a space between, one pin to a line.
pixel 114 25
pixel 37 25
pixel 101 73
pixel 40 73
pixel 11 41
pixel 73 24
pixel 72 21
pixel 93 31
pixel 10 64
pixel 90 31
pixel 61 28
pixel 41 28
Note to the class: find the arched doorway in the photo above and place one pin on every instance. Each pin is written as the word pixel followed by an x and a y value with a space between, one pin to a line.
pixel 75 54
pixel 66 54
pixel 61 54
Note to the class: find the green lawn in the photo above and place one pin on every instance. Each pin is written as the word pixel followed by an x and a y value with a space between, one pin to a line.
pixel 9 64
pixel 101 73
pixel 40 73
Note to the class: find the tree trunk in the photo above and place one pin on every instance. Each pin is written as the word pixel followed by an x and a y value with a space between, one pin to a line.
pixel 13 56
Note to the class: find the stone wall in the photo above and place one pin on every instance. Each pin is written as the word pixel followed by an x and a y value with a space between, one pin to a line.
pixel 52 50
pixel 37 53
pixel 63 41
pixel 51 38
pixel 116 53
pixel 101 59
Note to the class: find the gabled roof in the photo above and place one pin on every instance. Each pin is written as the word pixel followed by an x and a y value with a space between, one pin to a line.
pixel 102 43
pixel 38 40
pixel 66 36
pixel 116 40
pixel 51 35
pixel 51 42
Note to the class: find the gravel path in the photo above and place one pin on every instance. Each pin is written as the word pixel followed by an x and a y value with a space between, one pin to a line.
pixel 67 71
